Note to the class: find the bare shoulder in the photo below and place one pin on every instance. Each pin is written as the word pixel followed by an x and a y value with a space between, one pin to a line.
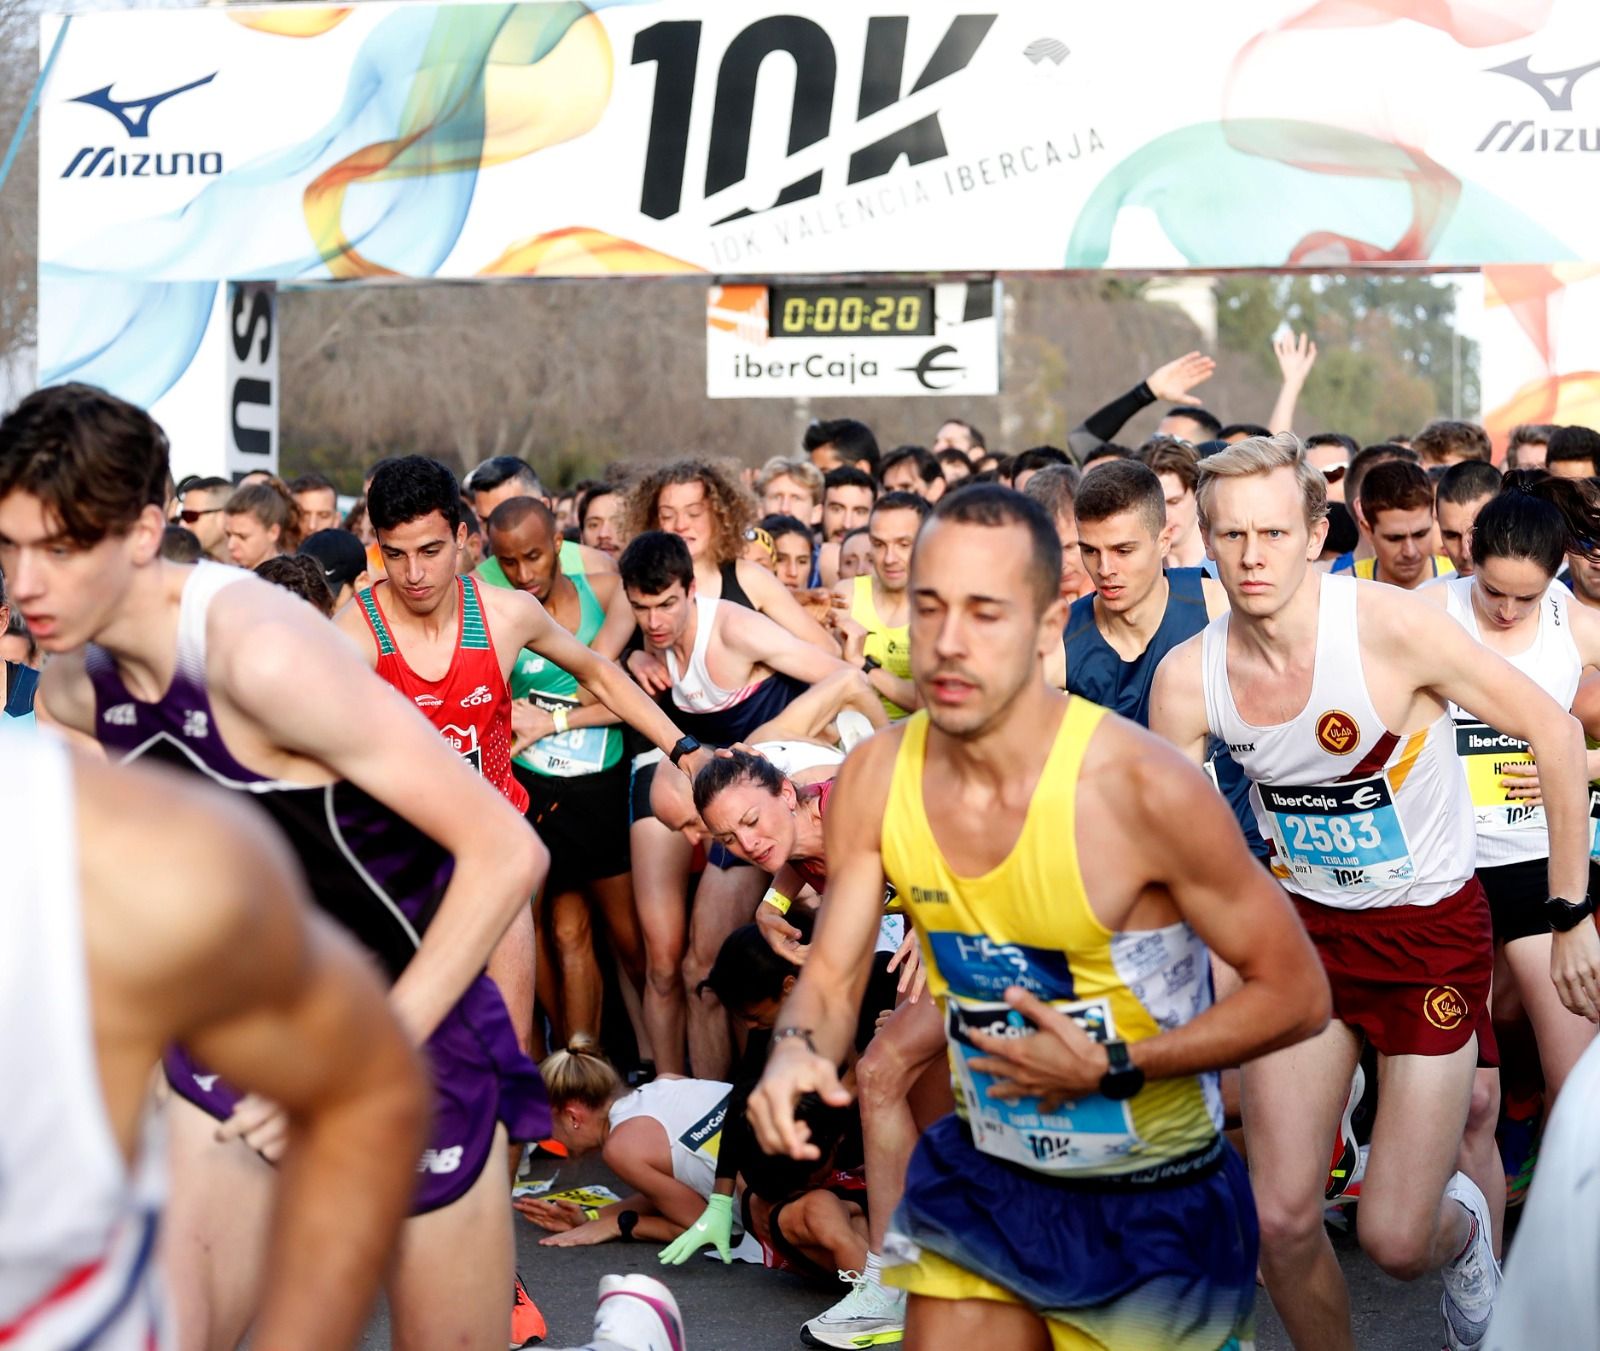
pixel 151 922
pixel 605 586
pixel 1216 596
pixel 758 583
pixel 596 560
pixel 1145 781
pixel 65 691
pixel 259 632
pixel 1585 628
pixel 515 612
pixel 352 622
pixel 1181 674
pixel 1435 592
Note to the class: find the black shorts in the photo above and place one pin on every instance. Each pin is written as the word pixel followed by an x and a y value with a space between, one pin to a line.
pixel 583 822
pixel 1516 893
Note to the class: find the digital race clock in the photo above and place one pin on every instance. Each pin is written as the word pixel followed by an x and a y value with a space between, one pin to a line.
pixel 850 311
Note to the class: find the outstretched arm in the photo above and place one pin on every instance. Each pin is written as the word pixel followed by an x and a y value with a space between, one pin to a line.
pixel 817 1023
pixel 1170 383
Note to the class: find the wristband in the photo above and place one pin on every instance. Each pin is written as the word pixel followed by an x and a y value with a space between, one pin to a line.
pixel 626 1220
pixel 559 717
pixel 777 900
pixel 784 1034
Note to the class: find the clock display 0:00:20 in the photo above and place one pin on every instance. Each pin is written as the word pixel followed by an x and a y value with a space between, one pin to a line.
pixel 855 313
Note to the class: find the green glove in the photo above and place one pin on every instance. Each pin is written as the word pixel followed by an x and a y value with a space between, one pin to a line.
pixel 715 1225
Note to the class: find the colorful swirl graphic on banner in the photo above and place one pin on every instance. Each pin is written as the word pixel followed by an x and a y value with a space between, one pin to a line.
pixel 435 95
pixel 1356 169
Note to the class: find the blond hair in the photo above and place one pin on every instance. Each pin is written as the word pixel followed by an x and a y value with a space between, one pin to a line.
pixel 580 1074
pixel 802 471
pixel 1261 455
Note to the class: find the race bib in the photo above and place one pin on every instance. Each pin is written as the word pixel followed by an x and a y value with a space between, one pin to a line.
pixel 1486 753
pixel 1090 1133
pixel 464 742
pixel 566 755
pixel 1339 836
pixel 1594 824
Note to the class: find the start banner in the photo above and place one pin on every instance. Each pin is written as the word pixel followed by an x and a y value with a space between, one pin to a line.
pixel 184 149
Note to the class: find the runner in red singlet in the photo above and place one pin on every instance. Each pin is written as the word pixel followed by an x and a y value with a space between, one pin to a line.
pixel 433 635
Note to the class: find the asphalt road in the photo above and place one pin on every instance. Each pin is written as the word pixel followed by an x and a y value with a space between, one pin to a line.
pixel 747 1308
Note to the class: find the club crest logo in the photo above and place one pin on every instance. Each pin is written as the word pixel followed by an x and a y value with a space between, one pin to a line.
pixel 1444 1007
pixel 1337 733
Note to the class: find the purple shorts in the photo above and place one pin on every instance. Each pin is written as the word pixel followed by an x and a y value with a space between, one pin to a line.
pixel 480 1079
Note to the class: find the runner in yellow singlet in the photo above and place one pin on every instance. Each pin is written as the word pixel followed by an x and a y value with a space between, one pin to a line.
pixel 876 633
pixel 1082 1033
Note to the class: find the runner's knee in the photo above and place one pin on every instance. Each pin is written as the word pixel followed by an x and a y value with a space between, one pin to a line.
pixel 1402 1250
pixel 1287 1222
pixel 569 927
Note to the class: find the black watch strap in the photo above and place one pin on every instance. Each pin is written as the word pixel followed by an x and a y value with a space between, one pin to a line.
pixel 1565 915
pixel 687 745
pixel 1122 1078
pixel 626 1220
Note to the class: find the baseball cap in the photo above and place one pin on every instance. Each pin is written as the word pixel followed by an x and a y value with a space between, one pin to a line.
pixel 340 554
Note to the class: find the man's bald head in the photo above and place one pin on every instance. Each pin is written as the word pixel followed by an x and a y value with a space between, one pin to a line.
pixel 511 513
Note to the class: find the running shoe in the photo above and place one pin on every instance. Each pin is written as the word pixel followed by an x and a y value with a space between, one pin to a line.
pixel 1346 1156
pixel 637 1313
pixel 1518 1138
pixel 870 1315
pixel 527 1323
pixel 1472 1280
pixel 1350 1189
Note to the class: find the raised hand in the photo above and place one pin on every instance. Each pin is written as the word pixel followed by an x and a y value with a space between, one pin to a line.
pixel 1171 383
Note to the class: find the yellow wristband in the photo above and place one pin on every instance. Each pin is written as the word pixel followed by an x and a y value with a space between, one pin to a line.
pixel 777 900
pixel 559 717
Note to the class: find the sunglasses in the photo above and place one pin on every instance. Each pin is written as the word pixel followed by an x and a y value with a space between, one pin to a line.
pixel 189 515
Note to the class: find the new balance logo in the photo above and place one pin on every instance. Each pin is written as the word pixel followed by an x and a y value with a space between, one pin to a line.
pixel 427 701
pixel 122 715
pixel 440 1160
pixel 478 697
pixel 196 724
pixel 206 1081
pixel 134 114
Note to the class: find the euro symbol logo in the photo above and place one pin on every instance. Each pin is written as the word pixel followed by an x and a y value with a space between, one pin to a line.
pixel 928 367
pixel 1554 87
pixel 134 114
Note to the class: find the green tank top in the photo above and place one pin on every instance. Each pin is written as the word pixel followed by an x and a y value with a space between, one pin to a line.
pixel 583 750
pixel 570 561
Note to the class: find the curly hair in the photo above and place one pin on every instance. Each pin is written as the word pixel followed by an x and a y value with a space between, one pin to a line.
pixel 733 510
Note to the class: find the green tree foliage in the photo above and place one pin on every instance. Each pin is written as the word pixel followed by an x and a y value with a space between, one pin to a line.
pixel 1387 357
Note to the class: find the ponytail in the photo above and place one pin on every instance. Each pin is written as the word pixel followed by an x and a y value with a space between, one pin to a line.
pixel 1541 518
pixel 580 1074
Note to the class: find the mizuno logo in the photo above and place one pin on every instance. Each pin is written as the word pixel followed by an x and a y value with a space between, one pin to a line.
pixel 134 114
pixel 1554 87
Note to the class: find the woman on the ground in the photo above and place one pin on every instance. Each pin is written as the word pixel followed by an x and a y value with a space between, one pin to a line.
pixel 662 1140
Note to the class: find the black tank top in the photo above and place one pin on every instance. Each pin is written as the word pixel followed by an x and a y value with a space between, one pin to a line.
pixel 731 590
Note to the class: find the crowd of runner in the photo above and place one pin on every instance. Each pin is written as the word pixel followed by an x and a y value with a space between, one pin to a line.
pixel 731 822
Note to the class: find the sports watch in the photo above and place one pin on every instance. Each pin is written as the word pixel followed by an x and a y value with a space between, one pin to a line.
pixel 870 664
pixel 687 745
pixel 1565 915
pixel 1123 1078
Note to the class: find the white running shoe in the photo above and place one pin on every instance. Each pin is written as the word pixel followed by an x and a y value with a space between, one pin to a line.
pixel 1472 1281
pixel 637 1313
pixel 870 1315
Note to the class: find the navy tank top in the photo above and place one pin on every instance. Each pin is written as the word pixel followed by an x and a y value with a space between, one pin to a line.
pixel 1097 672
pixel 373 872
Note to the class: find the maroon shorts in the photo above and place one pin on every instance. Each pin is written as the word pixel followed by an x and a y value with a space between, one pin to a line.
pixel 1414 980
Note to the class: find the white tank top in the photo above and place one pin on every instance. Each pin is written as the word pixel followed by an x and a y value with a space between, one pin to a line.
pixel 1510 831
pixel 694 691
pixel 691 1112
pixel 1358 817
pixel 77 1225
